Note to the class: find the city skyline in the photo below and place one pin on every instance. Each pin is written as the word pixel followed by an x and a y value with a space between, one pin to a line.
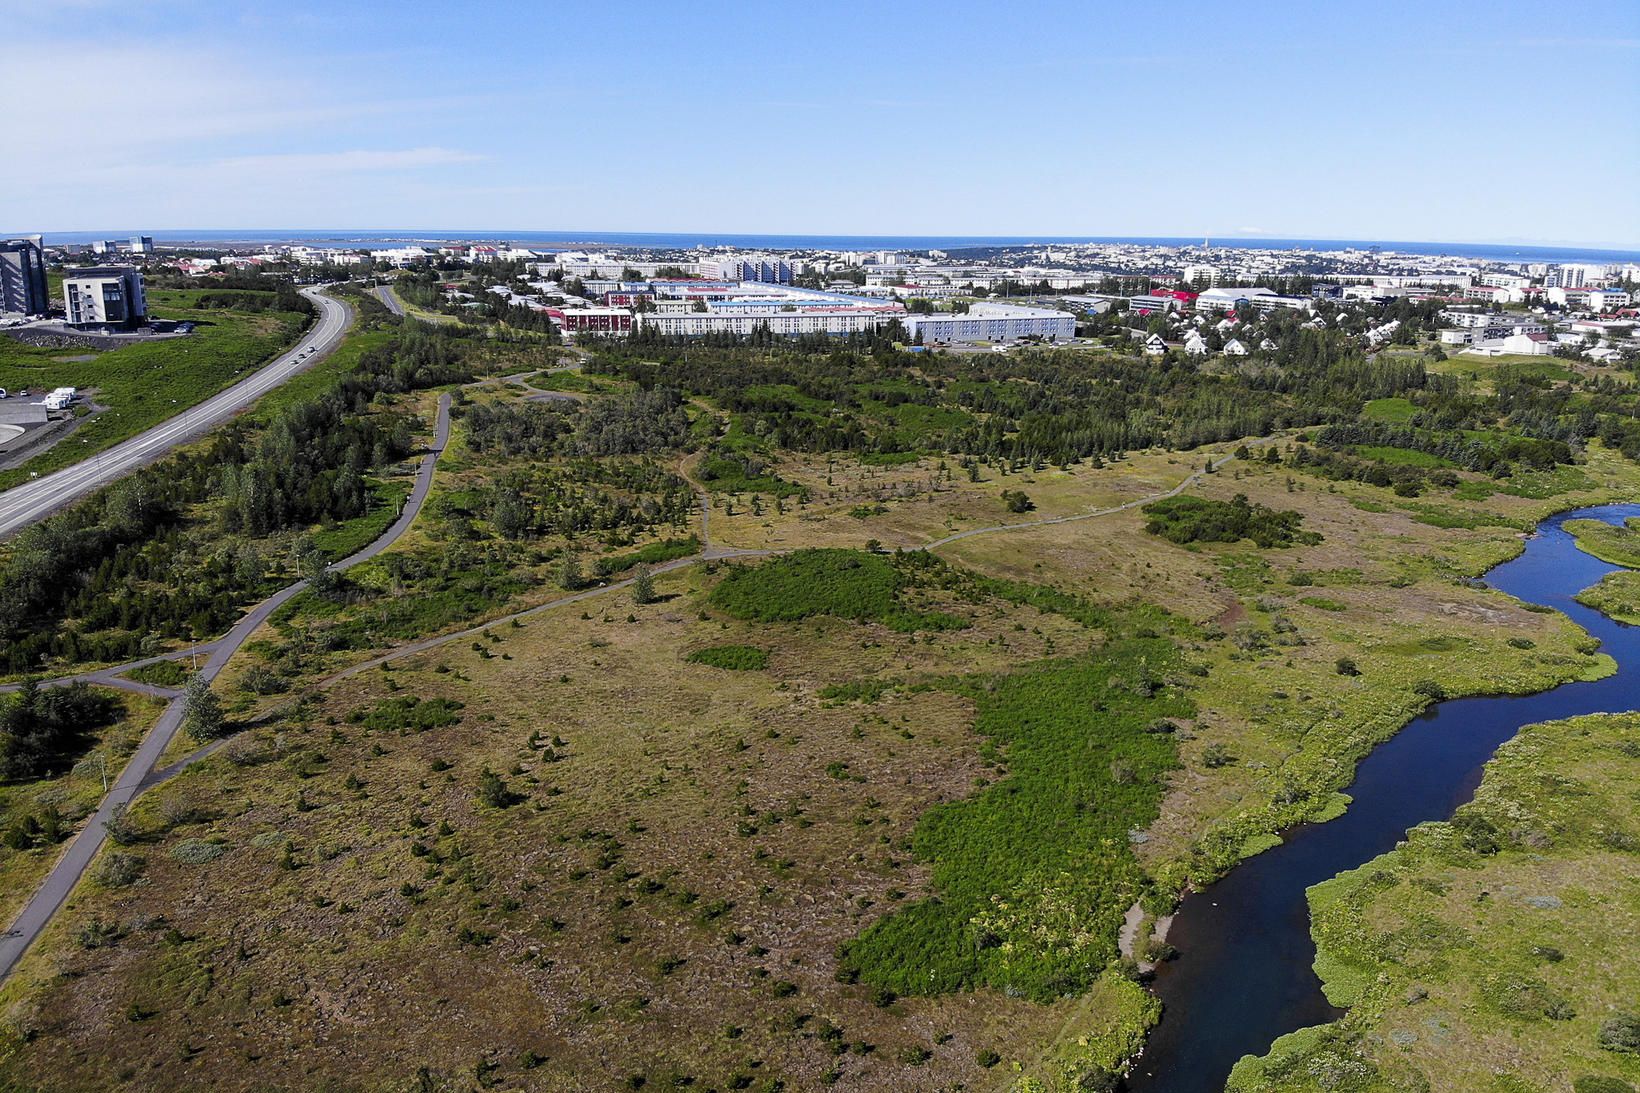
pixel 1435 122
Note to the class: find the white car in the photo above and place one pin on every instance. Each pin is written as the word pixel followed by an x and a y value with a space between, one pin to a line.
pixel 3 393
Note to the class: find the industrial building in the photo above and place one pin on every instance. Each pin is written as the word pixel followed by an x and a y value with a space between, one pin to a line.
pixel 104 296
pixel 23 277
pixel 986 322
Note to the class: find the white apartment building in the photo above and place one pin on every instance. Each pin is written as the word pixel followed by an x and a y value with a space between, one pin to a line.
pixel 104 295
pixel 985 322
pixel 810 320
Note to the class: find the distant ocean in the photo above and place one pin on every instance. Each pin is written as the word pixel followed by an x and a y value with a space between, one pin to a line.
pixel 1501 252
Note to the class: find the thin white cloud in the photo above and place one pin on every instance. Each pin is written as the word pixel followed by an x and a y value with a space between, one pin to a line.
pixel 350 161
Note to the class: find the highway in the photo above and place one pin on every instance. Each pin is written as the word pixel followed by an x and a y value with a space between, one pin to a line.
pixel 139 772
pixel 25 504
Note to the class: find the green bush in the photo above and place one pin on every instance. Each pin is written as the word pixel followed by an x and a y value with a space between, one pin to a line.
pixel 1203 520
pixel 407 713
pixel 1032 875
pixel 197 851
pixel 735 658
pixel 846 584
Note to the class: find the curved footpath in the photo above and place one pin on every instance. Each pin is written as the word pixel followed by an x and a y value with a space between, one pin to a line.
pixel 136 775
pixel 25 504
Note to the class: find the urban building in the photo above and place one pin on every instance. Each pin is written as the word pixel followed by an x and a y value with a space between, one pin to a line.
pixel 986 322
pixel 1230 298
pixel 104 295
pixel 764 270
pixel 23 277
pixel 592 320
pixel 812 320
pixel 142 244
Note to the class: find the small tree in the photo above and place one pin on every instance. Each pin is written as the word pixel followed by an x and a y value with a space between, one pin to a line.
pixel 494 791
pixel 643 586
pixel 569 571
pixel 202 716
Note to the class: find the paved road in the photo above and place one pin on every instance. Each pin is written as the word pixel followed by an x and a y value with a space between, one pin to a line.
pixel 388 297
pixel 23 505
pixel 136 775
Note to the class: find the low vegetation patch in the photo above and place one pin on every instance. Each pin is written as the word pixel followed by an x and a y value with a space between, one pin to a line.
pixel 735 658
pixel 407 714
pixel 1619 545
pixel 1033 873
pixel 845 584
pixel 1617 596
pixel 1185 520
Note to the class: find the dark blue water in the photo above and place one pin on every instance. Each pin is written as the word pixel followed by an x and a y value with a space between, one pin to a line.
pixel 1244 976
pixel 382 238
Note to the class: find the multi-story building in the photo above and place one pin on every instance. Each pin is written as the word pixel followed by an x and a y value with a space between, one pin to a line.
pixel 811 320
pixel 1206 276
pixel 1570 276
pixel 111 295
pixel 985 322
pixel 763 269
pixel 592 320
pixel 23 277
pixel 142 244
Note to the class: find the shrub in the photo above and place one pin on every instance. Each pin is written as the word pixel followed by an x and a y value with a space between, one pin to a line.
pixel 735 658
pixel 260 680
pixel 643 586
pixel 118 869
pixel 1430 689
pixel 197 851
pixel 987 1058
pixel 495 792
pixel 1185 520
pixel 845 584
pixel 1620 1033
pixel 1594 1084
pixel 1344 666
pixel 407 713
pixel 202 716
pixel 1017 501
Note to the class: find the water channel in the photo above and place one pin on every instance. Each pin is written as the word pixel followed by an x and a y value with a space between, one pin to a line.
pixel 1244 976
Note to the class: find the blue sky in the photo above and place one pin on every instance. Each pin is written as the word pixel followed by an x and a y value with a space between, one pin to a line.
pixel 1497 121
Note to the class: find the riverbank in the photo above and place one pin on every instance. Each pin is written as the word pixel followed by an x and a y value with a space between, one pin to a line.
pixel 1245 977
pixel 1490 950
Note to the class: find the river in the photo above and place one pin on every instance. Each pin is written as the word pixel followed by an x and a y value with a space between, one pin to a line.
pixel 1243 976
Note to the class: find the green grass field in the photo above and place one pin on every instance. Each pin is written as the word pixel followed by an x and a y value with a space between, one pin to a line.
pixel 144 384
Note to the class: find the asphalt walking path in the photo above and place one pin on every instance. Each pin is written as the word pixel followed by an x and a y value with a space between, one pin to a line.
pixel 38 498
pixel 136 776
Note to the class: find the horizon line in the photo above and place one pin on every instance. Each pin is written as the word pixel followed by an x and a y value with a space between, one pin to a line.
pixel 1015 238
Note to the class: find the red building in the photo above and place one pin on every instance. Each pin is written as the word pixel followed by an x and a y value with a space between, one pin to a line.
pixel 592 320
